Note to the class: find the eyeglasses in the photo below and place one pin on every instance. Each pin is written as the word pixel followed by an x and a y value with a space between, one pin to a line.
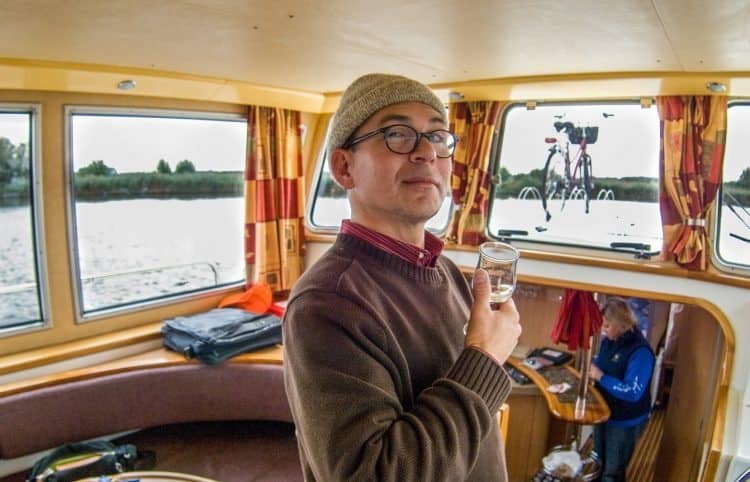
pixel 404 139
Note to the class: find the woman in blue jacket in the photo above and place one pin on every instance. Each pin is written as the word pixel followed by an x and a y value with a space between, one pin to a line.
pixel 622 371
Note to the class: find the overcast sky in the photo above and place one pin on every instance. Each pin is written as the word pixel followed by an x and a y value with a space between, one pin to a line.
pixel 131 144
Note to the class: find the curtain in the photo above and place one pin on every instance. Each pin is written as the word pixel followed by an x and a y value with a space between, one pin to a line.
pixel 474 124
pixel 693 138
pixel 274 197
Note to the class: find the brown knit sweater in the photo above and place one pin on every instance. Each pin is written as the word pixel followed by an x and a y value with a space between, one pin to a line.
pixel 379 383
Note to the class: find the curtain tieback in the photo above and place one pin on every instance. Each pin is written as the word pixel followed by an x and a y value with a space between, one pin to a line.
pixel 695 222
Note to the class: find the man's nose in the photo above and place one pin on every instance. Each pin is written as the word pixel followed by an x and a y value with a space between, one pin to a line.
pixel 424 152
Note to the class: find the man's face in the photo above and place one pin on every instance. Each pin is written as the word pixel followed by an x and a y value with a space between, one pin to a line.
pixel 385 187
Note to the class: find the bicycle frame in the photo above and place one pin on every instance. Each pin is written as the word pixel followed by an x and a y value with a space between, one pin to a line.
pixel 581 172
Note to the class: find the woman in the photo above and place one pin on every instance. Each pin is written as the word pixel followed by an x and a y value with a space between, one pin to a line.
pixel 622 371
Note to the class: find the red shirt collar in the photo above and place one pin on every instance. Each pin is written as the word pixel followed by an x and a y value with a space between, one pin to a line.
pixel 426 257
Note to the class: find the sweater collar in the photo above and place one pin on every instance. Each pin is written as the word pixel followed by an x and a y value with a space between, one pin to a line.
pixel 426 257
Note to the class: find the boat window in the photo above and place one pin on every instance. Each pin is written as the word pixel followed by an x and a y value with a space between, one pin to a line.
pixel 22 294
pixel 157 206
pixel 329 205
pixel 583 174
pixel 733 219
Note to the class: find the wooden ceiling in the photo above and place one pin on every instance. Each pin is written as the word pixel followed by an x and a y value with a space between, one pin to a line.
pixel 320 46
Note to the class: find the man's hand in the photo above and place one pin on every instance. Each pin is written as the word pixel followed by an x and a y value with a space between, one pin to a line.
pixel 493 332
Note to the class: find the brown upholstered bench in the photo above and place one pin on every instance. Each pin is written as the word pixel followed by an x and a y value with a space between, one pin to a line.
pixel 152 391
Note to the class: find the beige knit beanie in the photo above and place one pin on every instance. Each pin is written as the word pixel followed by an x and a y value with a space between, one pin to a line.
pixel 370 93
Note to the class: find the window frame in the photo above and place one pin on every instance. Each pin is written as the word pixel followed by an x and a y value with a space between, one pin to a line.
pixel 36 204
pixel 550 246
pixel 71 222
pixel 720 263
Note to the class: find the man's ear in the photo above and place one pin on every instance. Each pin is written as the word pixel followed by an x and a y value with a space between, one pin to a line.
pixel 340 165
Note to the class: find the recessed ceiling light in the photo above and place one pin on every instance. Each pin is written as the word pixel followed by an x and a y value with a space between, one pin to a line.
pixel 717 87
pixel 126 84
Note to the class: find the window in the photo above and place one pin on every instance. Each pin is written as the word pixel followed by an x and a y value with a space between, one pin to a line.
pixel 22 294
pixel 733 226
pixel 549 190
pixel 329 205
pixel 157 205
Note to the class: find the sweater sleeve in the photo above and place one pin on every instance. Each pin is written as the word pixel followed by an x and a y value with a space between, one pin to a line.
pixel 344 392
pixel 637 374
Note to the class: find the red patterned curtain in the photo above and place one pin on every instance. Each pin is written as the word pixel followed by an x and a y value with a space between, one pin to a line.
pixel 474 123
pixel 693 138
pixel 274 196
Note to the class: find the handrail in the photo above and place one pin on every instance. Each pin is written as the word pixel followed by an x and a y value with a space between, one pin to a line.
pixel 155 268
pixel 17 288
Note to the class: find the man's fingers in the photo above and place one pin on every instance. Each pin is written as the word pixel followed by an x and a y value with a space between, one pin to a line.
pixel 481 287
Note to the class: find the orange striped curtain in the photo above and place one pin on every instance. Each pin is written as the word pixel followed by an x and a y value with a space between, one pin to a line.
pixel 693 138
pixel 474 123
pixel 274 196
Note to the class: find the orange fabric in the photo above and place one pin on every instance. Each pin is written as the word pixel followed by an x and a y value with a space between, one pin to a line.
pixel 693 138
pixel 578 319
pixel 274 196
pixel 474 124
pixel 257 299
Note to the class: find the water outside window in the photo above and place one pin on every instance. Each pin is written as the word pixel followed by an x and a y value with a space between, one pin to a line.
pixel 20 296
pixel 606 197
pixel 158 204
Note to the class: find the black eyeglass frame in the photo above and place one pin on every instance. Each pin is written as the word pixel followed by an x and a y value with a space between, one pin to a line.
pixel 419 135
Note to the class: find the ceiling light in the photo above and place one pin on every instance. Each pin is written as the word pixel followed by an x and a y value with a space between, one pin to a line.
pixel 716 87
pixel 126 84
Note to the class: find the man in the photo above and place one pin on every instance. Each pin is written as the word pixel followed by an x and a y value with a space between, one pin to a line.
pixel 382 382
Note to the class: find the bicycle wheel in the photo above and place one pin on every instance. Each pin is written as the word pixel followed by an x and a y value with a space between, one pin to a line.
pixel 550 180
pixel 588 185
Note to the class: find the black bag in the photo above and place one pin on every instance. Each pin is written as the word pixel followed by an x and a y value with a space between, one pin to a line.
pixel 75 461
pixel 219 334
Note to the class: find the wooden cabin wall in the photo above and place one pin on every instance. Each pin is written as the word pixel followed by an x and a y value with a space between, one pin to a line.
pixel 531 429
pixel 699 344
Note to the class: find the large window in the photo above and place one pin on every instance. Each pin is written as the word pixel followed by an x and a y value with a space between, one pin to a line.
pixel 733 233
pixel 157 205
pixel 22 298
pixel 579 175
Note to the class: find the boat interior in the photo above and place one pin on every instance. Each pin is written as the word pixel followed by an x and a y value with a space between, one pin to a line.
pixel 75 374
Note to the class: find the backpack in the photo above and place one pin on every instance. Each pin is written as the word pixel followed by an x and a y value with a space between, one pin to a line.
pixel 74 461
pixel 219 334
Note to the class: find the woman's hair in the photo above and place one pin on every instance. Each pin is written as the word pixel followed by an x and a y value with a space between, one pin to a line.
pixel 616 310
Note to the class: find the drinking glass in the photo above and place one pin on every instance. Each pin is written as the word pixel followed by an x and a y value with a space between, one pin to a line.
pixel 499 260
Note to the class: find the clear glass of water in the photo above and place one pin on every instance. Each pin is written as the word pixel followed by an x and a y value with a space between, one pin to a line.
pixel 499 260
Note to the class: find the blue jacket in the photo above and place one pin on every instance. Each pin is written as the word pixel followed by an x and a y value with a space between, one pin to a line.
pixel 628 365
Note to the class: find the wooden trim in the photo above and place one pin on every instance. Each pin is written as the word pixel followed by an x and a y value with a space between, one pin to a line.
pixel 158 358
pixel 78 348
pixel 662 268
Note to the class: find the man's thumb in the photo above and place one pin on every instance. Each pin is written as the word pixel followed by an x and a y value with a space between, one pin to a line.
pixel 481 286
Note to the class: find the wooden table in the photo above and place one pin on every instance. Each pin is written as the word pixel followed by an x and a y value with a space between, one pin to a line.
pixel 595 410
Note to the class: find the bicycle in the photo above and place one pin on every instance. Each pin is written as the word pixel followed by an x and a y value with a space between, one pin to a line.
pixel 557 178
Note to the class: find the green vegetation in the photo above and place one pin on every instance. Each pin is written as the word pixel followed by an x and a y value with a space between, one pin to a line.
pixel 98 181
pixel 142 184
pixel 14 161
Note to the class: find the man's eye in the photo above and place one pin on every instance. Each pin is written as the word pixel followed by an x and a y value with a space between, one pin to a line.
pixel 438 137
pixel 393 134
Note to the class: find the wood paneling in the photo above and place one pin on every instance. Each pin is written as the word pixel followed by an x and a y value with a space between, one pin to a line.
pixel 689 418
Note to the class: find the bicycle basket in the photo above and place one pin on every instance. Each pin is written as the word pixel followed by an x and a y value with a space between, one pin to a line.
pixel 575 135
pixel 591 134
